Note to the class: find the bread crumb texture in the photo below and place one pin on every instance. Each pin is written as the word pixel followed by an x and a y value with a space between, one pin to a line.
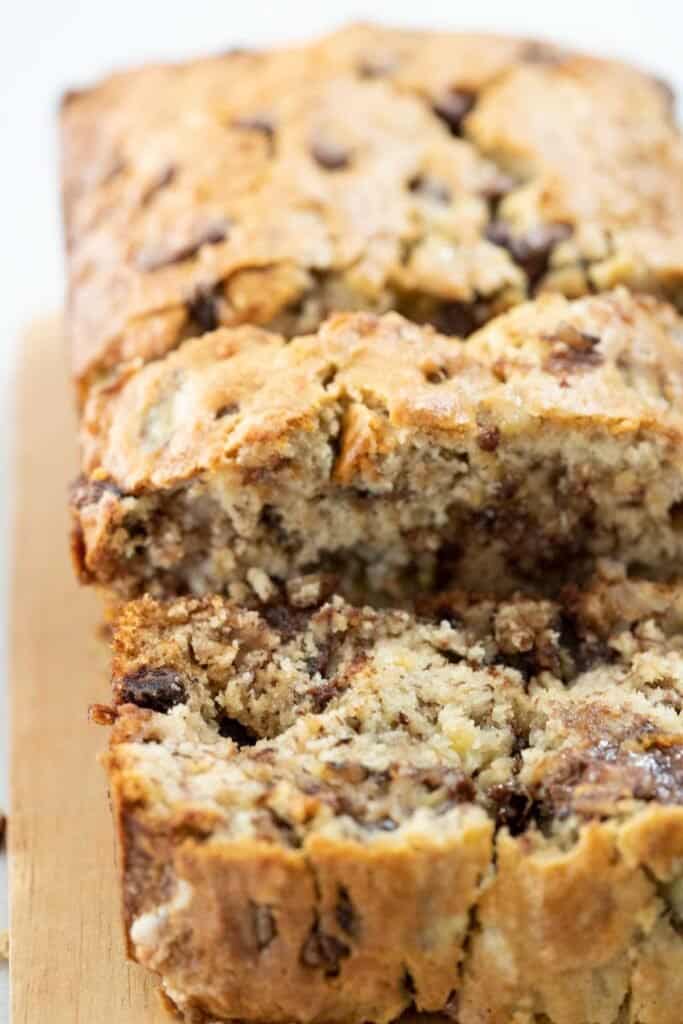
pixel 337 813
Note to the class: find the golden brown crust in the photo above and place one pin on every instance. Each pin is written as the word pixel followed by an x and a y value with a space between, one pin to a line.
pixel 216 947
pixel 520 903
pixel 374 169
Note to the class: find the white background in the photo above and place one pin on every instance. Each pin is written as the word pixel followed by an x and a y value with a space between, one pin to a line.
pixel 47 46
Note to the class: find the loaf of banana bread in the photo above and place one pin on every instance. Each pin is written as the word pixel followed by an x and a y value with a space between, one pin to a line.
pixel 333 813
pixel 328 809
pixel 391 456
pixel 444 176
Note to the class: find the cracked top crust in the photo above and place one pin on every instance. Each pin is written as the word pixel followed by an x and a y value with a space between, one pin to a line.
pixel 241 397
pixel 503 781
pixel 446 176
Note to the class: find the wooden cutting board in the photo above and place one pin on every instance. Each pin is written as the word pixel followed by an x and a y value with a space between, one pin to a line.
pixel 67 961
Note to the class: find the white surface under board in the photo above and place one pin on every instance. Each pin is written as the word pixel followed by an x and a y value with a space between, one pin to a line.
pixel 47 46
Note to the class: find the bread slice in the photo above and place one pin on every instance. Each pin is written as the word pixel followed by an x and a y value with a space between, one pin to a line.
pixel 333 813
pixel 391 456
pixel 445 176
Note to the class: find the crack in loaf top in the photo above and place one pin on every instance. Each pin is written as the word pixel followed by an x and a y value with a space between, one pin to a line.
pixel 243 397
pixel 445 176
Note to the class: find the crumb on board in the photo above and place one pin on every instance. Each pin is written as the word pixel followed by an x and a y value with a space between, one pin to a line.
pixel 4 945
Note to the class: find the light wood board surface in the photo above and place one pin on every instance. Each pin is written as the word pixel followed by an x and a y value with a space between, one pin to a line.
pixel 67 961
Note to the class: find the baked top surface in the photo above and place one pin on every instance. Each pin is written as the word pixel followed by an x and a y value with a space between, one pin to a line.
pixel 448 176
pixel 239 397
pixel 288 779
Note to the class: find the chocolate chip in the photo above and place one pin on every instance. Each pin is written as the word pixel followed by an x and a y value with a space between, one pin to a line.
pixel 285 620
pixel 203 310
pixel 676 516
pixel 258 123
pixel 570 335
pixel 590 781
pixel 437 375
pixel 460 788
pixel 271 519
pixel 500 233
pixel 329 375
pixel 330 155
pixel 532 250
pixel 524 662
pixel 214 235
pixel 572 350
pixel 496 190
pixel 455 319
pixel 345 912
pixel 457 786
pixel 453 106
pixel 448 558
pixel 513 805
pixel 263 924
pixel 430 188
pixel 231 729
pixel 229 409
pixel 322 695
pixel 155 257
pixel 287 831
pixel 451 1007
pixel 325 951
pixel 158 689
pixel 318 662
pixel 675 918
pixel 488 438
pixel 659 771
pixel 431 778
pixel 408 983
pixel 440 610
pixel 487 518
pixel 452 656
